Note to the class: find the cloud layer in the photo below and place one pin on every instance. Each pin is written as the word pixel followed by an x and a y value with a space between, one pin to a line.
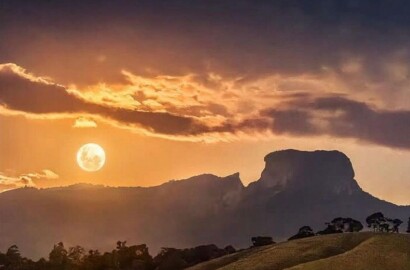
pixel 20 91
pixel 8 182
pixel 189 108
pixel 342 117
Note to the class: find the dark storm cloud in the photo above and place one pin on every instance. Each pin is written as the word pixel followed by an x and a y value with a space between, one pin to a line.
pixel 90 41
pixel 234 38
pixel 342 117
pixel 297 122
pixel 359 120
pixel 38 97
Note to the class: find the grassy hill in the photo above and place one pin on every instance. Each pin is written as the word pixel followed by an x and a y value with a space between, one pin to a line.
pixel 338 251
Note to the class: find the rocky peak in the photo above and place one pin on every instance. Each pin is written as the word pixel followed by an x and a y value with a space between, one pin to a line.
pixel 315 171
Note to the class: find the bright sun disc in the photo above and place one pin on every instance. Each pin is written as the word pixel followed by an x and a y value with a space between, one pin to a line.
pixel 91 157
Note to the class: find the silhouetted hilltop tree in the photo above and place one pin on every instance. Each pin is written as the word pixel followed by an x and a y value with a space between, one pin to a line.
pixel 229 249
pixel 375 221
pixel 330 229
pixel 352 225
pixel 303 232
pixel 380 223
pixel 258 241
pixel 396 224
pixel 408 226
pixel 340 225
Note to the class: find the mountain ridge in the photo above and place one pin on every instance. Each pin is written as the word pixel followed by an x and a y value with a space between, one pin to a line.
pixel 296 188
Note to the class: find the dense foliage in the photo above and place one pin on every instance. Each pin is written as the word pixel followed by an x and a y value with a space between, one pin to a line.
pixel 123 257
pixel 377 221
pixel 380 223
pixel 137 257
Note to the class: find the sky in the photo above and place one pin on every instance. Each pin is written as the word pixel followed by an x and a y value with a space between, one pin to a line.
pixel 172 89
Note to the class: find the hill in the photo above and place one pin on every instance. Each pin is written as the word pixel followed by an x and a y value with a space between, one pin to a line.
pixel 296 188
pixel 338 251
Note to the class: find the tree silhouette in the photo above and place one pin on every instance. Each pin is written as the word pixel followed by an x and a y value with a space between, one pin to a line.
pixel 76 255
pixel 380 223
pixel 13 259
pixel 58 256
pixel 330 229
pixel 340 225
pixel 170 258
pixel 303 232
pixel 396 224
pixel 352 225
pixel 262 241
pixel 408 226
pixel 136 256
pixel 376 221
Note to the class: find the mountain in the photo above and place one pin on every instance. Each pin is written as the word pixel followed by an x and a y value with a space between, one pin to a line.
pixel 296 188
pixel 337 251
pixel 309 188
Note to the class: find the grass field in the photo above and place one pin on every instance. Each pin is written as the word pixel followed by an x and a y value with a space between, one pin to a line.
pixel 359 251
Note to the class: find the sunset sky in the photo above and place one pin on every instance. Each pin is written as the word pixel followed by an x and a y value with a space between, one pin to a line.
pixel 172 89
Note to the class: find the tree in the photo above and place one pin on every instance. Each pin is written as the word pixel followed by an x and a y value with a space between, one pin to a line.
pixel 133 256
pixel 170 259
pixel 13 259
pixel 396 224
pixel 380 223
pixel 229 249
pixel 123 257
pixel 408 226
pixel 330 229
pixel 303 232
pixel 352 225
pixel 377 221
pixel 340 225
pixel 76 255
pixel 58 256
pixel 262 241
pixel 93 260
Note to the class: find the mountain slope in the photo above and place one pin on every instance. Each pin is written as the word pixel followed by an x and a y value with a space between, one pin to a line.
pixel 339 251
pixel 296 188
pixel 299 188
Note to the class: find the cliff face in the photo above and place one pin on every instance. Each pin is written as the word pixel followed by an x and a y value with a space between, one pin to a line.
pixel 295 188
pixel 319 171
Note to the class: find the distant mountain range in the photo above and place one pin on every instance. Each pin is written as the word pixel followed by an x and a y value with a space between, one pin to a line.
pixel 296 188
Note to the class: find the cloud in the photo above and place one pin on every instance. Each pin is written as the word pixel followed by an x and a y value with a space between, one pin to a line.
pixel 210 108
pixel 83 122
pixel 341 117
pixel 362 46
pixel 21 91
pixel 8 182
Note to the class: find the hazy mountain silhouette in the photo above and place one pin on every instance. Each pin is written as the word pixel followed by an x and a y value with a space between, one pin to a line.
pixel 296 188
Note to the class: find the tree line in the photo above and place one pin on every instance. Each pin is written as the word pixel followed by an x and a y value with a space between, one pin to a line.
pixel 137 257
pixel 123 257
pixel 377 222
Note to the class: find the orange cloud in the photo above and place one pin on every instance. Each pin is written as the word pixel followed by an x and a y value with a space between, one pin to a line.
pixel 209 108
pixel 8 182
pixel 83 122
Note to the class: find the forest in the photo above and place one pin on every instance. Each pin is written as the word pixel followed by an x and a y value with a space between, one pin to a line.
pixel 137 257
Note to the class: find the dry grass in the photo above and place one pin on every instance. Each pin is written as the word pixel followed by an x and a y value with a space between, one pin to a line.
pixel 380 252
pixel 338 251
